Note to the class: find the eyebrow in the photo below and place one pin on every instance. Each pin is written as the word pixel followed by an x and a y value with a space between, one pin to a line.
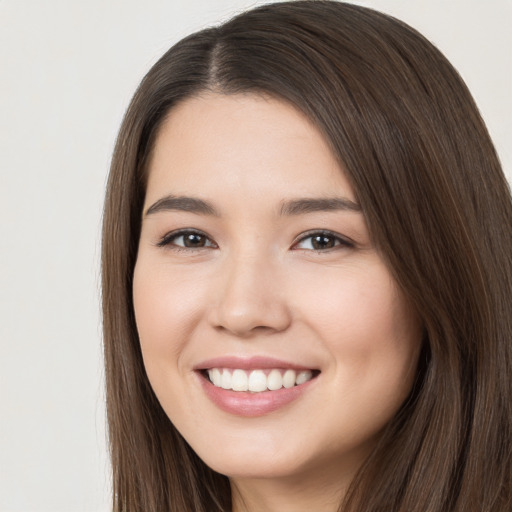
pixel 184 204
pixel 310 205
pixel 292 207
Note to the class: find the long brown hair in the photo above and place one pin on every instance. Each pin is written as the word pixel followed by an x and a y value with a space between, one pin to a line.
pixel 425 172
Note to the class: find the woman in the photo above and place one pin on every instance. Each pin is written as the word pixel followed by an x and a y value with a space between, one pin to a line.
pixel 306 275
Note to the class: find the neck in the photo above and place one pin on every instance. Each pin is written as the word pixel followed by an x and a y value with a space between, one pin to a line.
pixel 300 494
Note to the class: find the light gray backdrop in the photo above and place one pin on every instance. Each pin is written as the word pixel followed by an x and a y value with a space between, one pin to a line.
pixel 67 71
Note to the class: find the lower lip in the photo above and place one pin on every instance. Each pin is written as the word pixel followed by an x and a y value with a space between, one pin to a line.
pixel 244 403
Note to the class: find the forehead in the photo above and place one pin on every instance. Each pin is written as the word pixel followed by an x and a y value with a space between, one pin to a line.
pixel 242 142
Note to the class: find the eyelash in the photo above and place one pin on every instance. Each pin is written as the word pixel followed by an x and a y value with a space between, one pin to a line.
pixel 170 240
pixel 339 242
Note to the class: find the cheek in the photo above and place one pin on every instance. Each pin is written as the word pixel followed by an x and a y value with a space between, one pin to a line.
pixel 354 300
pixel 373 337
pixel 167 306
pixel 370 330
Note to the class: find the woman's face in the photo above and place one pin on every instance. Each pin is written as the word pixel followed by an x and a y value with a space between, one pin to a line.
pixel 255 269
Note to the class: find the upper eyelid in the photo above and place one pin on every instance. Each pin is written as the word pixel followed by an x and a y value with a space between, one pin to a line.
pixel 165 240
pixel 326 232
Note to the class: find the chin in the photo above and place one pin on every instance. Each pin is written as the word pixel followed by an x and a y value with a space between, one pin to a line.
pixel 260 468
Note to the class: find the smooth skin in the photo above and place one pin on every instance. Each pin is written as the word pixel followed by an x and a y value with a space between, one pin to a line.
pixel 251 271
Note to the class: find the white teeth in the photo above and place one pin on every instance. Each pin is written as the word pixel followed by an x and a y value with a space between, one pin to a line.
pixel 303 377
pixel 274 380
pixel 225 381
pixel 257 381
pixel 239 381
pixel 216 377
pixel 289 379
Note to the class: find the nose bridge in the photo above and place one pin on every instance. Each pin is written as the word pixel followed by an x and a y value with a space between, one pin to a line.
pixel 250 297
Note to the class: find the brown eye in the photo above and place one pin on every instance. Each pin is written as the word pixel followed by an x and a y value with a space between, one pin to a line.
pixel 193 240
pixel 187 240
pixel 321 241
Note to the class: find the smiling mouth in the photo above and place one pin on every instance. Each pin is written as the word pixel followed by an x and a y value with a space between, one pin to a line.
pixel 257 381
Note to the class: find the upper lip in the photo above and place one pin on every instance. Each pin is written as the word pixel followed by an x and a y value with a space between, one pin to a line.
pixel 249 363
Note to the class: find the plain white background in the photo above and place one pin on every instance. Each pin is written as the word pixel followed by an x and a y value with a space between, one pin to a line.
pixel 67 71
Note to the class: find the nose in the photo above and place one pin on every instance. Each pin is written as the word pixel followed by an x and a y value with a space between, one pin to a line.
pixel 250 298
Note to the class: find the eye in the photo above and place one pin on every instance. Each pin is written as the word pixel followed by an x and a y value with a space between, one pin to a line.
pixel 187 239
pixel 321 241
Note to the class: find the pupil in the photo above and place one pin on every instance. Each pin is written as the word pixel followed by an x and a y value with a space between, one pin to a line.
pixel 193 240
pixel 323 242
